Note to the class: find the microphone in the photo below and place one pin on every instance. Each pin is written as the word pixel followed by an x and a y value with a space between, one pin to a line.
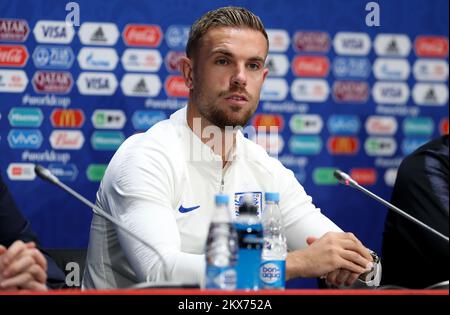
pixel 46 174
pixel 346 180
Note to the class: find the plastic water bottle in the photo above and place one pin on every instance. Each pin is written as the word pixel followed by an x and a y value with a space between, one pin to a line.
pixel 273 264
pixel 250 239
pixel 221 248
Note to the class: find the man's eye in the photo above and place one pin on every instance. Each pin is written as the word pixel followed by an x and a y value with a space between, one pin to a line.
pixel 254 66
pixel 221 61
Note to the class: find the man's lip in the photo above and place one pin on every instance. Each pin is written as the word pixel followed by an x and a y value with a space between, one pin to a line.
pixel 238 96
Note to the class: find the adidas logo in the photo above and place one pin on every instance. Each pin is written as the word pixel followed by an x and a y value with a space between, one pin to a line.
pixel 141 87
pixel 98 36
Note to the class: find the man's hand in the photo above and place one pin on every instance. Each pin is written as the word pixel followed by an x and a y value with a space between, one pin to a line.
pixel 22 266
pixel 339 256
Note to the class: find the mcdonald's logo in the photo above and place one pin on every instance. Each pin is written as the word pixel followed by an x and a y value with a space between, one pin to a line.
pixel 343 145
pixel 67 118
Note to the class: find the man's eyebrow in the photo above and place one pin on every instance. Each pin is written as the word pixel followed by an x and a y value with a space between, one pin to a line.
pixel 229 54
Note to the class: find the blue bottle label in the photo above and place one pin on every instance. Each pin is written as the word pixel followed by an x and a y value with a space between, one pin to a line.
pixel 273 274
pixel 223 278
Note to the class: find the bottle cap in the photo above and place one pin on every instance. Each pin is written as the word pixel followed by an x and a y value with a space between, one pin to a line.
pixel 221 199
pixel 272 196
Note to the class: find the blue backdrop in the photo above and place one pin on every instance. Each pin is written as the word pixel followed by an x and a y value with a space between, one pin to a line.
pixel 342 93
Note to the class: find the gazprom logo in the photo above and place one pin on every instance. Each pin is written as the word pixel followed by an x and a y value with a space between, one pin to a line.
pixel 343 124
pixel 25 139
pixel 307 145
pixel 144 119
pixel 25 117
pixel 409 145
pixel 107 140
pixel 418 126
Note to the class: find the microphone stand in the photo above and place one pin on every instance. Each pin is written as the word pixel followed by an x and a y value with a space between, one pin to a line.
pixel 47 175
pixel 346 180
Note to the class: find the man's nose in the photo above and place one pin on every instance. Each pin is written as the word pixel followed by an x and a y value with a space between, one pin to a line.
pixel 239 77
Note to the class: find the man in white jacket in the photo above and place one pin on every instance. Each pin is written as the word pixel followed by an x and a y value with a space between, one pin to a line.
pixel 162 183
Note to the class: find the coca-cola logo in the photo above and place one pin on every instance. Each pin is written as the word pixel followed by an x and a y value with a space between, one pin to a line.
pixel 13 55
pixel 310 66
pixel 176 87
pixel 142 35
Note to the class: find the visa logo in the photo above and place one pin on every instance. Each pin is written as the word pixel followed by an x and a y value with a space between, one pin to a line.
pixel 54 31
pixel 25 138
pixel 97 83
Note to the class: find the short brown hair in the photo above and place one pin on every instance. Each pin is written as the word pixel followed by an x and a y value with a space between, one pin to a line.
pixel 223 17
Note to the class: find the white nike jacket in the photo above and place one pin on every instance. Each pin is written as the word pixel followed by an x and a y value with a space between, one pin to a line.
pixel 162 183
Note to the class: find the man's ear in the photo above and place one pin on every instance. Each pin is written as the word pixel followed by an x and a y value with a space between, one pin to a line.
pixel 187 71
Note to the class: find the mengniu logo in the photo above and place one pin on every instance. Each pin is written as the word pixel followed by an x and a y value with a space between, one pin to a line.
pixel 176 87
pixel 443 126
pixel 305 145
pixel 95 172
pixel 107 140
pixel 14 30
pixel 324 176
pixel 67 118
pixel 268 121
pixel 13 55
pixel 25 138
pixel 364 176
pixel 343 145
pixel 310 66
pixel 142 35
pixel 25 117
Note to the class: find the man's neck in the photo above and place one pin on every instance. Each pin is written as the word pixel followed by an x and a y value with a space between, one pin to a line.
pixel 221 141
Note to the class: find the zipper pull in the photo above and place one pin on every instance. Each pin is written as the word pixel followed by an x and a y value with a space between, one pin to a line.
pixel 222 184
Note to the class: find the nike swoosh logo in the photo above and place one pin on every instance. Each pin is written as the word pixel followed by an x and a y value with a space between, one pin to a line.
pixel 184 210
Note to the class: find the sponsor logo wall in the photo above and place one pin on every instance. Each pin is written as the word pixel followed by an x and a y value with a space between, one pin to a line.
pixel 347 96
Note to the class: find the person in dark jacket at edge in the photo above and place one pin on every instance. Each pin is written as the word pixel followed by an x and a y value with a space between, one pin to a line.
pixel 23 266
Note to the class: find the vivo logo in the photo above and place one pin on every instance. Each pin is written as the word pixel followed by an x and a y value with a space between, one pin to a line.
pixel 53 32
pixel 392 45
pixel 343 124
pixel 274 89
pixel 391 69
pixel 144 119
pixel 409 145
pixel 395 93
pixel 25 138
